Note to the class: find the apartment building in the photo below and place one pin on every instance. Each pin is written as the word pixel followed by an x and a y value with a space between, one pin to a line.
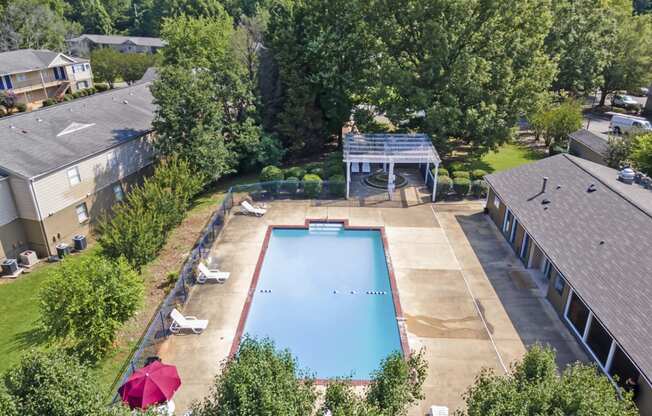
pixel 36 75
pixel 84 44
pixel 586 238
pixel 62 167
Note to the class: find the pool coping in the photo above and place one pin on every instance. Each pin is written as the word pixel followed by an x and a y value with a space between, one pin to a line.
pixel 400 320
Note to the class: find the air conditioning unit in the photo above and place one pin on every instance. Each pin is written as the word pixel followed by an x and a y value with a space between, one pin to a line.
pixel 28 258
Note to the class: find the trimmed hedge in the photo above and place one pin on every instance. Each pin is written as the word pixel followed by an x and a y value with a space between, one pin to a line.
pixel 101 87
pixel 479 188
pixel 312 185
pixel 461 174
pixel 317 171
pixel 441 172
pixel 335 168
pixel 270 174
pixel 461 186
pixel 443 186
pixel 290 185
pixel 337 185
pixel 453 166
pixel 478 174
pixel 295 172
pixel 49 102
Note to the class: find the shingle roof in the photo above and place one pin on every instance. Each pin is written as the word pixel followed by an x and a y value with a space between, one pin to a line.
pixel 600 241
pixel 24 60
pixel 591 140
pixel 118 40
pixel 52 137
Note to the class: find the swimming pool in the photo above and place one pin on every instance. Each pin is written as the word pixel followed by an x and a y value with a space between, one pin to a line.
pixel 325 294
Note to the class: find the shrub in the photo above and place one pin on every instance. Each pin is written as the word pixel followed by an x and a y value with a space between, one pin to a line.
pixel 443 186
pixel 271 174
pixel 441 172
pixel 312 185
pixel 84 301
pixel 3 110
pixel 101 87
pixel 479 188
pixel 91 90
pixel 334 168
pixel 291 185
pixel 337 185
pixel 49 102
pixel 21 107
pixel 140 225
pixel 318 172
pixel 461 186
pixel 478 174
pixel 68 97
pixel 312 166
pixel 295 172
pixel 453 166
pixel 53 383
pixel 461 174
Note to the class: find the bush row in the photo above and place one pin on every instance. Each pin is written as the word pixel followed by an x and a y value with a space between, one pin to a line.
pixel 461 186
pixel 140 225
pixel 474 174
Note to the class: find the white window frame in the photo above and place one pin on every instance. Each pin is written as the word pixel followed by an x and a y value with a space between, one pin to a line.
pixel 21 77
pixel 118 192
pixel 74 178
pixel 82 215
pixel 496 202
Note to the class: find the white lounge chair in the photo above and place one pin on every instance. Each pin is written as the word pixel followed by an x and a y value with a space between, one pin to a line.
pixel 207 274
pixel 180 322
pixel 438 411
pixel 366 167
pixel 355 167
pixel 247 208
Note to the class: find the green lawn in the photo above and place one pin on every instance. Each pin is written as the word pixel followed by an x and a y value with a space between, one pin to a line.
pixel 506 157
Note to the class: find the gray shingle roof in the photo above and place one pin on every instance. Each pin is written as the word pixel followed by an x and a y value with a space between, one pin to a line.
pixel 590 140
pixel 32 143
pixel 600 241
pixel 24 60
pixel 118 40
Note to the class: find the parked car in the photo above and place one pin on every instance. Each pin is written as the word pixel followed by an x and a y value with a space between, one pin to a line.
pixel 621 123
pixel 625 101
pixel 640 92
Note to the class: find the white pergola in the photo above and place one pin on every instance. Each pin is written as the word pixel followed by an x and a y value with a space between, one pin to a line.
pixel 389 149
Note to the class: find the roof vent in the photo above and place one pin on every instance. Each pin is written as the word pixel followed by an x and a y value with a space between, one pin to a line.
pixel 558 186
pixel 39 119
pixel 545 201
pixel 591 188
pixel 12 126
pixel 545 182
pixel 125 102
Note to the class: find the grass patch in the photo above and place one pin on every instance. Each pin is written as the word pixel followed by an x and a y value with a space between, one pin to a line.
pixel 506 157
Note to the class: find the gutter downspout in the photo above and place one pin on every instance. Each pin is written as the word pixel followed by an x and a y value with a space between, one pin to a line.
pixel 40 217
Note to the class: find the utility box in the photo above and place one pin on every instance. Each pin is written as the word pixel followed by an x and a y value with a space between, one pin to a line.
pixel 63 250
pixel 28 258
pixel 9 267
pixel 80 242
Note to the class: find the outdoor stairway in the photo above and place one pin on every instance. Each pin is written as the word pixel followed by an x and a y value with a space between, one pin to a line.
pixel 323 228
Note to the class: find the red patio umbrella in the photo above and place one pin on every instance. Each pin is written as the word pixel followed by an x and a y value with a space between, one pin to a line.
pixel 152 384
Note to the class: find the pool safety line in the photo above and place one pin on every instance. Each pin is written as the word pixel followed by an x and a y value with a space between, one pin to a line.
pixel 468 288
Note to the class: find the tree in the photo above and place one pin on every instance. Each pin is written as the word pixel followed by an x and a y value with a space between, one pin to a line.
pixel 94 17
pixel 33 24
pixel 155 12
pixel 557 121
pixel 461 69
pixel 53 383
pixel 579 42
pixel 619 150
pixel 534 387
pixel 630 55
pixel 259 380
pixel 642 152
pixel 132 66
pixel 84 301
pixel 106 65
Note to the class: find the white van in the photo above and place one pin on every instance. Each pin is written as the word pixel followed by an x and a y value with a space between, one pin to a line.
pixel 622 123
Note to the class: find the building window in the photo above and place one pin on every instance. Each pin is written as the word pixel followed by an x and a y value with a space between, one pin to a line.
pixel 7 83
pixel 73 176
pixel 118 192
pixel 87 67
pixel 496 202
pixel 111 160
pixel 59 73
pixel 559 283
pixel 577 314
pixel 81 85
pixel 21 77
pixel 82 213
pixel 599 341
pixel 622 367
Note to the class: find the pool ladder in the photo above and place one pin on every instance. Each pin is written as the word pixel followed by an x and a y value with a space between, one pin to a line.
pixel 324 228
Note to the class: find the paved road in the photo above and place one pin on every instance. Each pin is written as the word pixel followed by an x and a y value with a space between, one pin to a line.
pixel 600 124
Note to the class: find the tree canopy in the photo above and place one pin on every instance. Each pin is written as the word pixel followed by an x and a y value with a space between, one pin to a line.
pixel 534 387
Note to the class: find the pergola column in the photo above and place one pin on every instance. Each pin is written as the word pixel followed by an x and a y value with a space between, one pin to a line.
pixel 390 180
pixel 348 178
pixel 434 182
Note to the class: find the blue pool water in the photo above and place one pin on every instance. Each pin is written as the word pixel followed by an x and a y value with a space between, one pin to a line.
pixel 332 334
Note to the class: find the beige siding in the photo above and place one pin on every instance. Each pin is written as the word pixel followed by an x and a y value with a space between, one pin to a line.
pixel 23 198
pixel 8 211
pixel 55 193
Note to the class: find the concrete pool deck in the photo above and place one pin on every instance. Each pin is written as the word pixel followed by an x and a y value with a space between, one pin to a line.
pixel 465 296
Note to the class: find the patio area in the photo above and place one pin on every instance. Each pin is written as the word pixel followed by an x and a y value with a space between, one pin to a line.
pixel 466 298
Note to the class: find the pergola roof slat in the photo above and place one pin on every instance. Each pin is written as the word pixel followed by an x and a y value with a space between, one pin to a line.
pixel 387 148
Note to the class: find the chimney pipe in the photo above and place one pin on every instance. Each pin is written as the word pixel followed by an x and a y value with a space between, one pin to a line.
pixel 545 182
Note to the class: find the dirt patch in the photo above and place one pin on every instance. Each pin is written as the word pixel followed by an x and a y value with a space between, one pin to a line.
pixel 429 327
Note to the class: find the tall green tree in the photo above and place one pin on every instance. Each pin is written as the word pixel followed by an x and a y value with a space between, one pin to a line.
pixel 132 66
pixel 34 24
pixel 259 380
pixel 152 13
pixel 642 152
pixel 470 68
pixel 84 302
pixel 629 64
pixel 535 388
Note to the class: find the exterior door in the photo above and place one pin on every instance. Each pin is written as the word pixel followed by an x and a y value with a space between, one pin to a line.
pixel 525 249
